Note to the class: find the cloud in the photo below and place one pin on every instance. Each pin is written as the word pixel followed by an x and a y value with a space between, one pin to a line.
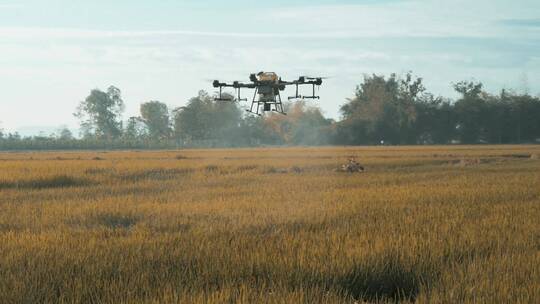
pixel 535 23
pixel 10 5
pixel 458 18
pixel 65 33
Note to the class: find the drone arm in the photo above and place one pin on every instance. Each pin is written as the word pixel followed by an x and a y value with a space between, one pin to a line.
pixel 218 84
pixel 302 81
pixel 237 85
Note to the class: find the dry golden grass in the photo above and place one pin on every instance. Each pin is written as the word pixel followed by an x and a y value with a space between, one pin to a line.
pixel 425 224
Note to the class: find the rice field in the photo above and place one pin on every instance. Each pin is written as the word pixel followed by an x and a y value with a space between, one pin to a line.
pixel 457 224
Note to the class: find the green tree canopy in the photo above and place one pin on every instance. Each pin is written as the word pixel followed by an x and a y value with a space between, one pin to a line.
pixel 155 115
pixel 64 133
pixel 471 110
pixel 135 129
pixel 384 108
pixel 100 113
pixel 204 119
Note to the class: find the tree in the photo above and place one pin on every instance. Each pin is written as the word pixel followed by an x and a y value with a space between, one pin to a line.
pixel 193 122
pixel 524 112
pixel 471 110
pixel 204 119
pixel 64 134
pixel 100 113
pixel 383 109
pixel 498 118
pixel 255 131
pixel 469 89
pixel 435 120
pixel 155 115
pixel 135 129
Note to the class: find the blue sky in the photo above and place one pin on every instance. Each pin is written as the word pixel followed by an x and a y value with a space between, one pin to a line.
pixel 52 53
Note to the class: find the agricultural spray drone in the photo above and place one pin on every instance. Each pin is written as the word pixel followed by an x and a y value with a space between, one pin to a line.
pixel 267 86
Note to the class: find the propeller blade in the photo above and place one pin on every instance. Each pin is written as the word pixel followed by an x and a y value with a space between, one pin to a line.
pixel 313 78
pixel 220 80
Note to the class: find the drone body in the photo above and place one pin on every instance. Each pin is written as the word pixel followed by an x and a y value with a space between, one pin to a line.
pixel 267 87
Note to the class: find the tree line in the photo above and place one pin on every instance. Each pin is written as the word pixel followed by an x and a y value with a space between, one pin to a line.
pixel 384 110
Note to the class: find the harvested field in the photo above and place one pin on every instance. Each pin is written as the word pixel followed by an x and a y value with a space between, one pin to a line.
pixel 421 224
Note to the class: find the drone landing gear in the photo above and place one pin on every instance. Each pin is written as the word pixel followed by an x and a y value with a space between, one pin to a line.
pixel 259 107
pixel 268 105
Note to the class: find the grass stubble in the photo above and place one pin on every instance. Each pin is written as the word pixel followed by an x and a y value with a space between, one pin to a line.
pixel 423 224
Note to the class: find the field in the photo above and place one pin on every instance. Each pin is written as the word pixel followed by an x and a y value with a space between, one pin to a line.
pixel 453 224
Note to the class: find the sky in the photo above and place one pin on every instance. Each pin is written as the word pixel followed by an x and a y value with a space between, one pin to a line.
pixel 54 52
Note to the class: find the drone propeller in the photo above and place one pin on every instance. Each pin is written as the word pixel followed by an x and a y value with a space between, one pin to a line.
pixel 220 80
pixel 315 78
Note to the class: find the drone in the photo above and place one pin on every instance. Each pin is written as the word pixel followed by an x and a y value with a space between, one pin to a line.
pixel 267 86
